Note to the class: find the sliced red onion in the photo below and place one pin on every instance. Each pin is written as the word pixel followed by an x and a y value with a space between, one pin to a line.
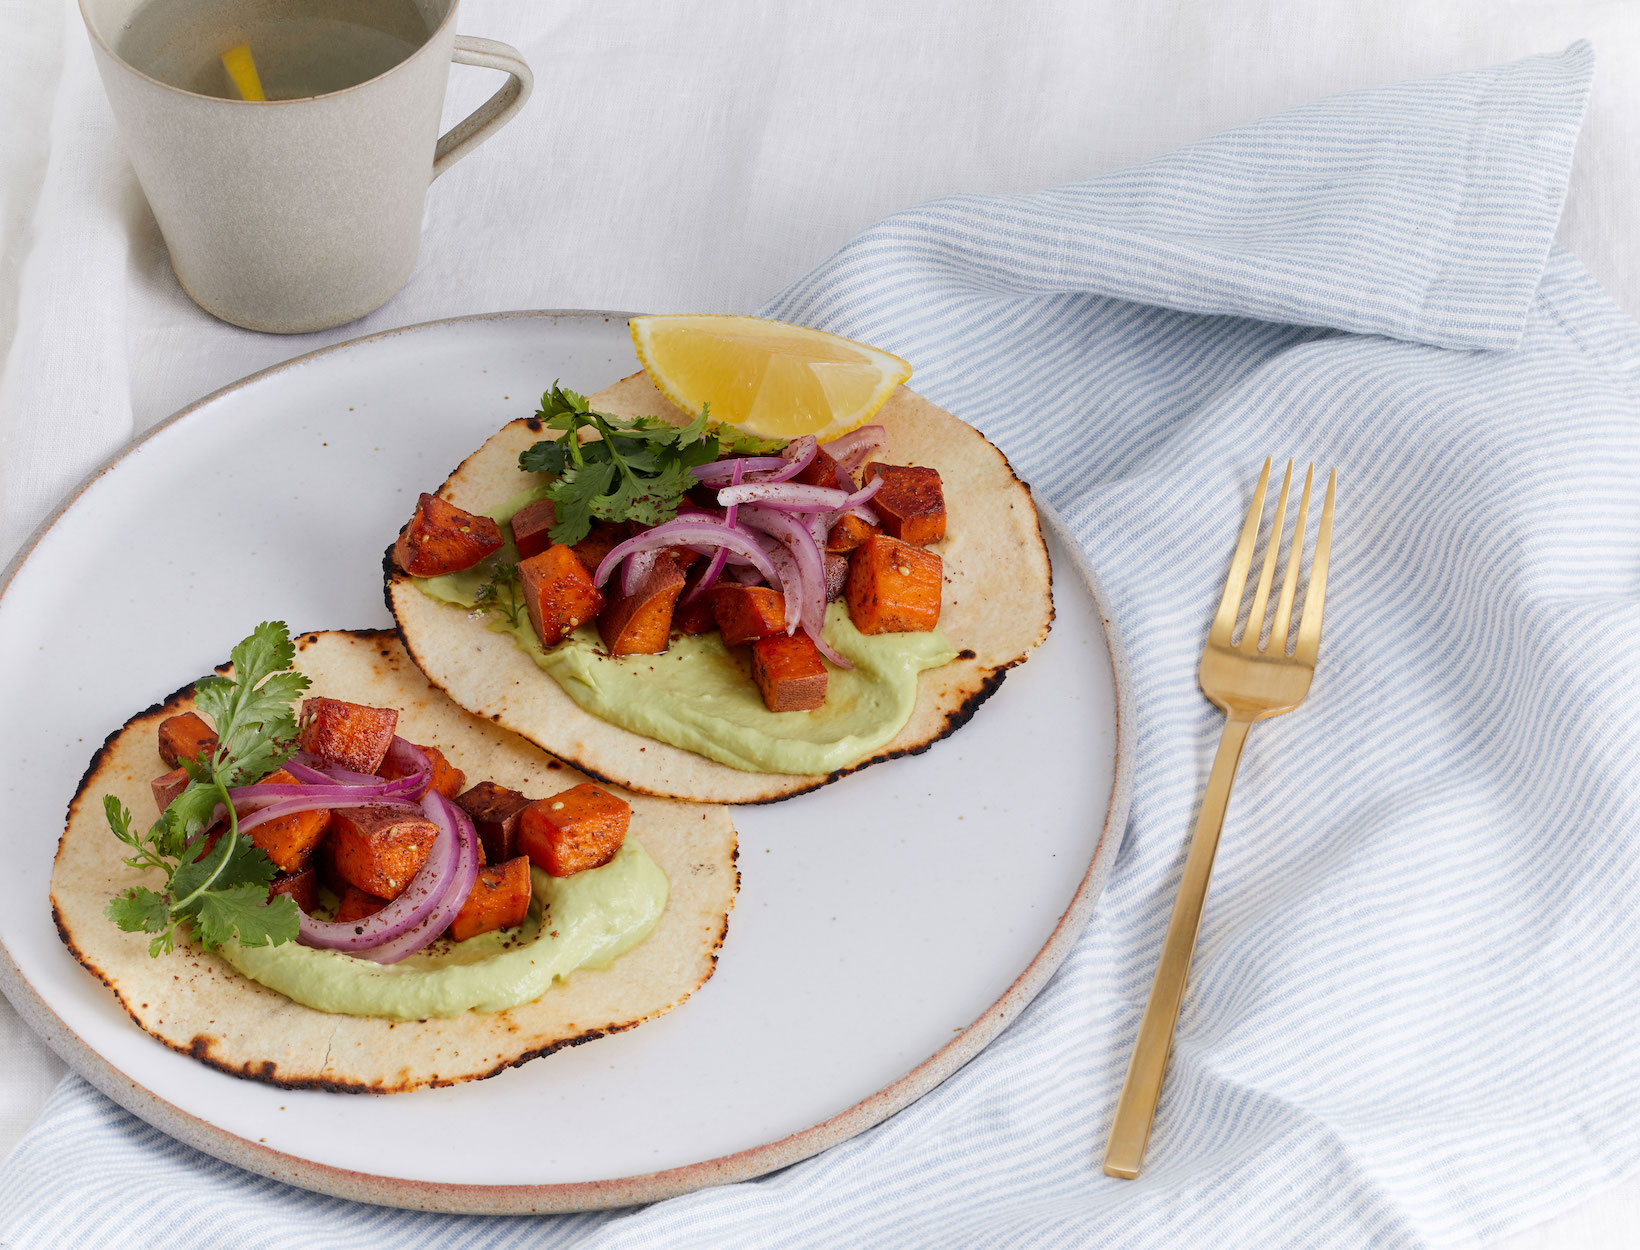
pixel 637 570
pixel 799 455
pixel 720 557
pixel 293 807
pixel 851 450
pixel 790 496
pixel 331 772
pixel 697 531
pixel 411 763
pixel 868 514
pixel 723 470
pixel 412 920
pixel 744 574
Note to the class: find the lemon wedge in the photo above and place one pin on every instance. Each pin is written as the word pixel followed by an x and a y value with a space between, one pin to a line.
pixel 766 377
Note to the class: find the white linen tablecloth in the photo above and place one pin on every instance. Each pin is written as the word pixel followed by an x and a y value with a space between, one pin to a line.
pixel 700 156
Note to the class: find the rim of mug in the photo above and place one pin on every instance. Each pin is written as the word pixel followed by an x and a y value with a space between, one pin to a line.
pixel 97 36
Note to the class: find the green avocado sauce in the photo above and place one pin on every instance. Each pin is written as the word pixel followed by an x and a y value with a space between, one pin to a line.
pixel 583 921
pixel 699 694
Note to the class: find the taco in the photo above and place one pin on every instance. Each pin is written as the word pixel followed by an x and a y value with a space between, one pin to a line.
pixel 622 923
pixel 735 695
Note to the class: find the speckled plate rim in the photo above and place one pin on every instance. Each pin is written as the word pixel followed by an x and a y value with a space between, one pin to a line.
pixel 621 1191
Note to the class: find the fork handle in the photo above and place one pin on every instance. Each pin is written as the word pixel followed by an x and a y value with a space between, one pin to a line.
pixel 1136 1107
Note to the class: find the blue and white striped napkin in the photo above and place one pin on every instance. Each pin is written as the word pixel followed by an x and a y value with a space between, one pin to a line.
pixel 1415 1014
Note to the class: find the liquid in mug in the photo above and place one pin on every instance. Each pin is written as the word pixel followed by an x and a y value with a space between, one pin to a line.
pixel 301 47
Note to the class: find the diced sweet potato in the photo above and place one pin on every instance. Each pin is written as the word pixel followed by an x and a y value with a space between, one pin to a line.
pixel 289 840
pixel 849 532
pixel 184 738
pixel 379 849
pixel 495 811
pixel 350 734
pixel 442 538
pixel 532 526
pixel 747 613
pixel 641 623
pixel 821 471
pixel 168 786
pixel 499 899
pixel 836 566
pixel 579 829
pixel 559 593
pixel 354 904
pixel 302 886
pixel 893 587
pixel 447 778
pixel 693 616
pixel 911 502
pixel 601 539
pixel 789 672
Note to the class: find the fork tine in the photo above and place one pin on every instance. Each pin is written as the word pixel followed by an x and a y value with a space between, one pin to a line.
pixel 1267 574
pixel 1280 628
pixel 1309 625
pixel 1224 622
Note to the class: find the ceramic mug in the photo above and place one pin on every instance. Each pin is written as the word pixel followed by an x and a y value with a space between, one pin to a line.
pixel 297 215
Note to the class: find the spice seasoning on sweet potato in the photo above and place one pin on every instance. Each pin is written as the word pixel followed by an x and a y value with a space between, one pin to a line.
pixel 379 849
pixel 532 527
pixel 559 593
pixel 789 672
pixel 495 811
pixel 442 538
pixel 447 779
pixel 167 786
pixel 289 840
pixel 821 471
pixel 849 532
pixel 355 904
pixel 350 734
pixel 893 587
pixel 836 569
pixel 302 886
pixel 499 899
pixel 184 737
pixel 747 613
pixel 641 623
pixel 579 829
pixel 601 539
pixel 911 501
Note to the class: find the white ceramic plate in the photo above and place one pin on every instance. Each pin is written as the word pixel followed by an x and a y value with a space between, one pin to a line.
pixel 888 926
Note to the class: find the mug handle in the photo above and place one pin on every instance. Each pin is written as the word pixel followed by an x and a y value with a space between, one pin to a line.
pixel 495 112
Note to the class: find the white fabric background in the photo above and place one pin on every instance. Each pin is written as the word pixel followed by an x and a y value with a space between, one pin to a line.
pixel 699 155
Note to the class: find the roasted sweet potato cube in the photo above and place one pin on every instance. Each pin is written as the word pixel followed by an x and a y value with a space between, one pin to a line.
pixel 354 904
pixel 379 849
pixel 849 532
pixel 893 587
pixel 499 899
pixel 289 840
pixel 579 829
pixel 789 672
pixel 302 886
pixel 350 734
pixel 747 613
pixel 184 737
pixel 911 502
pixel 447 778
pixel 641 623
pixel 532 527
pixel 442 538
pixel 693 616
pixel 836 567
pixel 559 593
pixel 495 811
pixel 601 539
pixel 821 471
pixel 167 786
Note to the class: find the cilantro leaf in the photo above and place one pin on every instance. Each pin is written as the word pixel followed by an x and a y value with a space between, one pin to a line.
pixel 633 470
pixel 223 891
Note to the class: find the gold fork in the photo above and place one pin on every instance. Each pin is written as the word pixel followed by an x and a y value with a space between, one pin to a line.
pixel 1249 682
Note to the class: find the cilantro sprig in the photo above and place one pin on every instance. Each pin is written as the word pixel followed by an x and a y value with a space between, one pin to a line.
pixel 502 594
pixel 223 893
pixel 635 470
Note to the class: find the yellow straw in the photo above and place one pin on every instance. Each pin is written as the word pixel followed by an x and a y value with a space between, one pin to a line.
pixel 242 69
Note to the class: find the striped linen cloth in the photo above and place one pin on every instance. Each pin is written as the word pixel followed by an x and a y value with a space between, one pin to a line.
pixel 1415 1015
